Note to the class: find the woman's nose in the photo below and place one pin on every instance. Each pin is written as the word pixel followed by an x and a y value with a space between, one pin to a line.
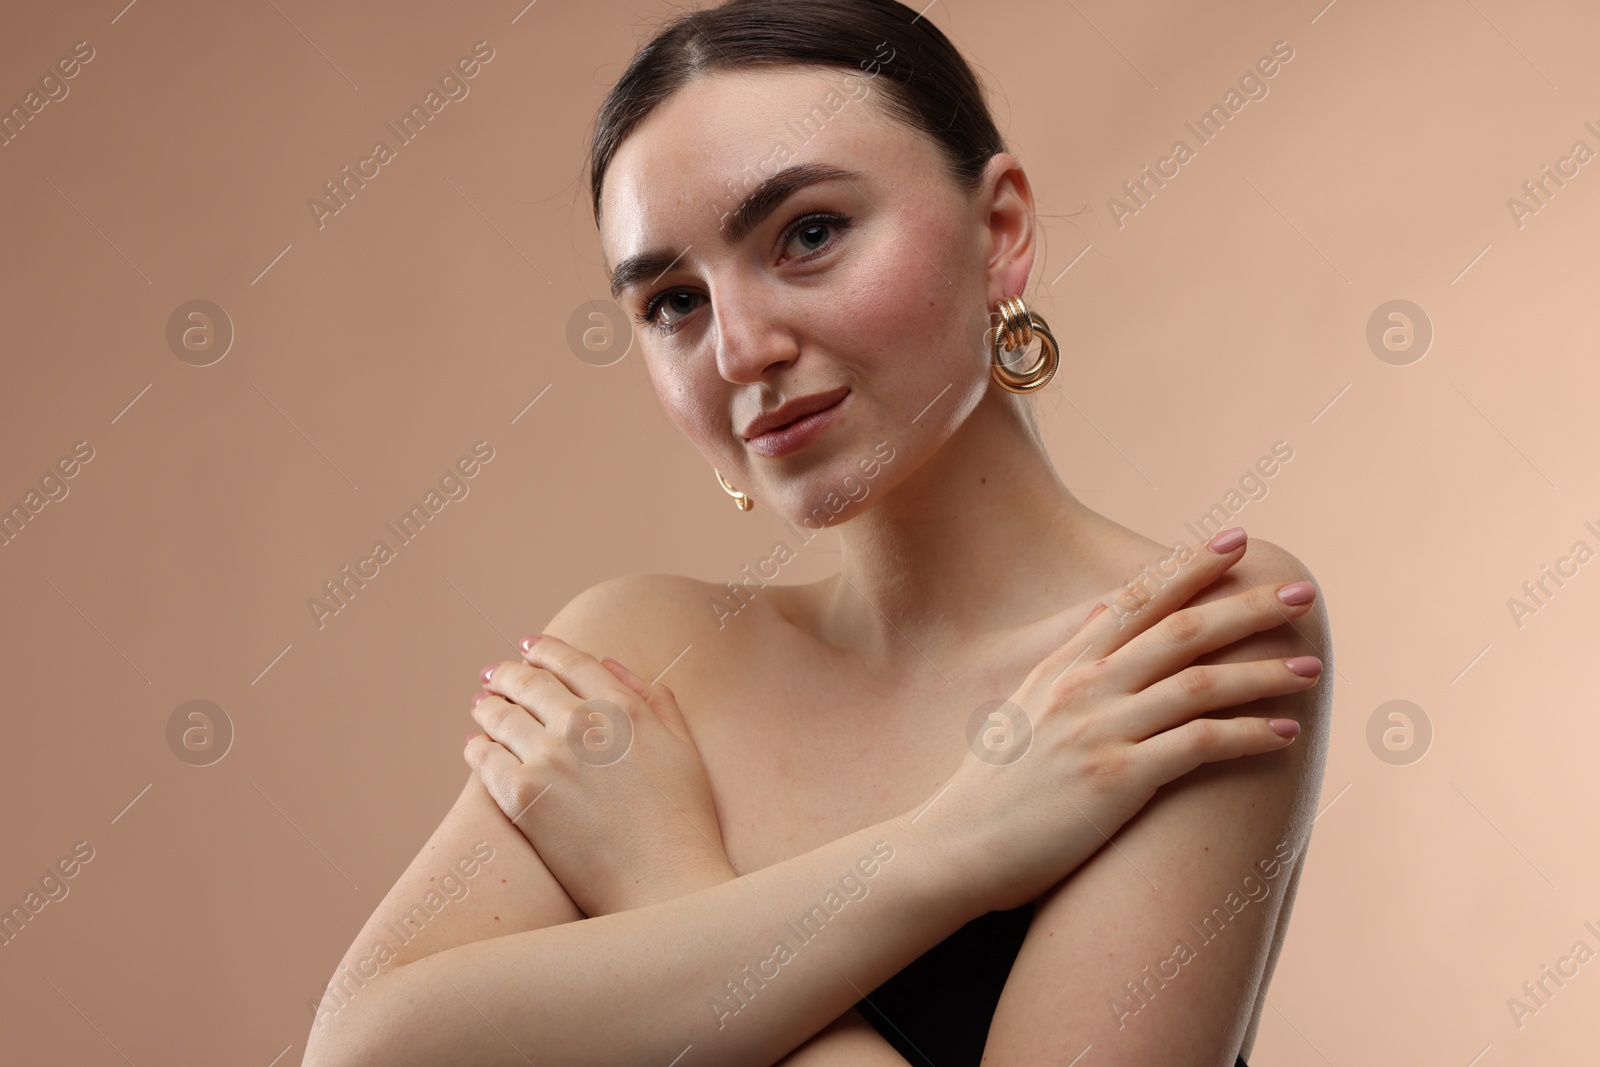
pixel 750 338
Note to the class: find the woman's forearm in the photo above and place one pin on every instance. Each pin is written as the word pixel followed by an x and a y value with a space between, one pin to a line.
pixel 739 973
pixel 849 1041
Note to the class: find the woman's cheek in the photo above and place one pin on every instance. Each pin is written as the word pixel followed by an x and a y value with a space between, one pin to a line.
pixel 863 323
pixel 687 402
pixel 900 306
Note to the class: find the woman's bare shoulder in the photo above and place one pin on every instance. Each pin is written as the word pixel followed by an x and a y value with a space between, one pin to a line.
pixel 644 621
pixel 1264 563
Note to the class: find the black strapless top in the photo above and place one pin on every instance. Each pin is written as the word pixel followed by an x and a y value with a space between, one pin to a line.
pixel 936 1012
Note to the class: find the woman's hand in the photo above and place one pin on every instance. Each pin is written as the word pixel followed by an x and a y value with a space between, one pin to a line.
pixel 597 769
pixel 1106 720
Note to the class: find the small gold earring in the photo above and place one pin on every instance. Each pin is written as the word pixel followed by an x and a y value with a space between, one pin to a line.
pixel 744 503
pixel 1018 327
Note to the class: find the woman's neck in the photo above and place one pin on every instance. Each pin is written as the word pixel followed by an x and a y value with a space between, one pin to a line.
pixel 982 537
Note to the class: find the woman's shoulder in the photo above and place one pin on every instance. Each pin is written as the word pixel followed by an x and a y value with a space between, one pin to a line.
pixel 1263 561
pixel 1264 564
pixel 1264 567
pixel 644 621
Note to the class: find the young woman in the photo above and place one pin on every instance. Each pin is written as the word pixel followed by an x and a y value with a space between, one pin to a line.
pixel 1017 783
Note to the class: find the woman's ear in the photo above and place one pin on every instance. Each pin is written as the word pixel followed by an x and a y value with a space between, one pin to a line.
pixel 1007 210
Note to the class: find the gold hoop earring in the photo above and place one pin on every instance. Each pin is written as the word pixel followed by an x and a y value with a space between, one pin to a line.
pixel 1018 327
pixel 744 503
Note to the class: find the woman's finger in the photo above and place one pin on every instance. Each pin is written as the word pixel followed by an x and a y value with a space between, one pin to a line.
pixel 546 697
pixel 1163 650
pixel 1215 686
pixel 576 669
pixel 503 775
pixel 1143 600
pixel 627 677
pixel 510 724
pixel 1170 755
pixel 1163 588
pixel 658 697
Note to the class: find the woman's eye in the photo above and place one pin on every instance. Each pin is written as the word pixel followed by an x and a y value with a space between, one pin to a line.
pixel 673 304
pixel 812 236
pixel 815 234
pixel 663 310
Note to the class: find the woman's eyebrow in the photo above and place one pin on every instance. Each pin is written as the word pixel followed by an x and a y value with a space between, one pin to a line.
pixel 747 216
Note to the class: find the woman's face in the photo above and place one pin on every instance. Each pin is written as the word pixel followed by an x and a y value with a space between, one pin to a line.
pixel 868 293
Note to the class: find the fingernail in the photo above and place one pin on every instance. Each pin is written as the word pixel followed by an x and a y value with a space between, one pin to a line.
pixel 1228 540
pixel 1298 593
pixel 1304 666
pixel 1284 727
pixel 485 674
pixel 528 642
pixel 468 741
pixel 480 695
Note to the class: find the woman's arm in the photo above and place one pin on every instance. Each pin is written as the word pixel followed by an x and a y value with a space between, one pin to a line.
pixel 478 878
pixel 1156 951
pixel 1116 728
pixel 452 895
pixel 849 1041
pixel 435 905
pixel 741 973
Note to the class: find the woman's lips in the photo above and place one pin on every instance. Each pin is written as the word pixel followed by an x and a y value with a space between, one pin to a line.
pixel 797 434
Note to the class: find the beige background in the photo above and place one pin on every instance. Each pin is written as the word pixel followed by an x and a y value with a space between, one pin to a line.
pixel 1228 314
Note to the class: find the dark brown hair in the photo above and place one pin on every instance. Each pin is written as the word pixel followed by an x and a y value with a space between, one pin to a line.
pixel 927 83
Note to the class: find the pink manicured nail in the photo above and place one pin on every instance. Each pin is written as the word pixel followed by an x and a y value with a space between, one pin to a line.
pixel 1304 666
pixel 1298 593
pixel 1228 540
pixel 1284 727
pixel 479 696
pixel 528 642
pixel 468 741
pixel 485 674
